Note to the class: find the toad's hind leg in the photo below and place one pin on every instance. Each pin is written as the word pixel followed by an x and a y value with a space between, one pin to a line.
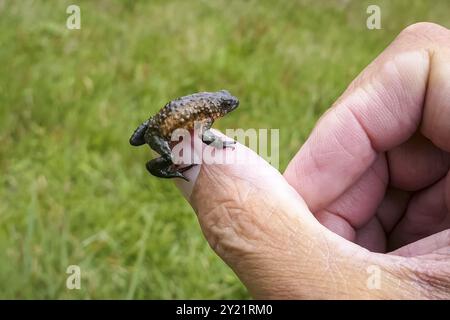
pixel 163 168
pixel 161 146
pixel 137 138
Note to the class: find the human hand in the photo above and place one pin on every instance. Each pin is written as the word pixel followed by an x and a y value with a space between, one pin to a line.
pixel 374 173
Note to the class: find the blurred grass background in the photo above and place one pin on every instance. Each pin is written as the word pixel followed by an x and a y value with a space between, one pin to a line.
pixel 72 191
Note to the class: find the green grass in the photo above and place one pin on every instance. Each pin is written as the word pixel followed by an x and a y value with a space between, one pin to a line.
pixel 72 191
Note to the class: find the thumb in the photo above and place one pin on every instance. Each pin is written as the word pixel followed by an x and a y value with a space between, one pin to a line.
pixel 260 226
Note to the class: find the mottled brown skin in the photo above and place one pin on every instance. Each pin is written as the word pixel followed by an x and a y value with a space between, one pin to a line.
pixel 184 112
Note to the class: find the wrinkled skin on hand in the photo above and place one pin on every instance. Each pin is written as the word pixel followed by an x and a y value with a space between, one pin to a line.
pixel 368 189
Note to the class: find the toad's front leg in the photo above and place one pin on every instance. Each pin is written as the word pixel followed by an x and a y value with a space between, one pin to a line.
pixel 211 139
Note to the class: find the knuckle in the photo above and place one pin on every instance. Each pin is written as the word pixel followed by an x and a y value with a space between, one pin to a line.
pixel 432 277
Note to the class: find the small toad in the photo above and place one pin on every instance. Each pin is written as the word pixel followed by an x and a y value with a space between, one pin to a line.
pixel 203 108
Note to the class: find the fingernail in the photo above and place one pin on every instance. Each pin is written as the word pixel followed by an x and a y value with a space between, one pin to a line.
pixel 186 187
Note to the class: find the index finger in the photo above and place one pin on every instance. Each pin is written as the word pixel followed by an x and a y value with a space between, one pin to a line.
pixel 381 109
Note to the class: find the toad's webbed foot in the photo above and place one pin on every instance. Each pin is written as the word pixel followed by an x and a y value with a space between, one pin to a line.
pixel 164 168
pixel 211 139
